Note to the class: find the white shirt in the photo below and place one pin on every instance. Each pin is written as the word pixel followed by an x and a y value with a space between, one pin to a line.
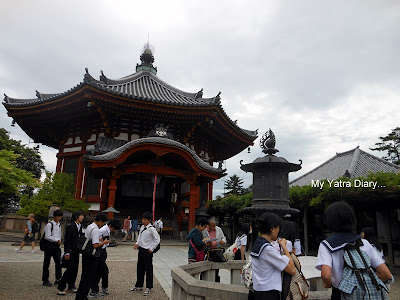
pixel 297 246
pixel 336 262
pixel 276 245
pixel 159 223
pixel 241 240
pixel 55 234
pixel 148 238
pixel 267 270
pixel 94 230
pixel 103 232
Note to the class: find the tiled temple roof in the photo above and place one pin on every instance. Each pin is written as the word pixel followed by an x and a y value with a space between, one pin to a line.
pixel 356 162
pixel 112 149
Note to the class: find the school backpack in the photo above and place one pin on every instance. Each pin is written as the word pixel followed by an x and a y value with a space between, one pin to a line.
pixel 359 280
pixel 35 227
pixel 299 287
pixel 231 251
pixel 45 244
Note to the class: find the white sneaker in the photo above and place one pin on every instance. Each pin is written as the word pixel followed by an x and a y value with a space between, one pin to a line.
pixel 32 251
pixel 17 250
pixel 147 292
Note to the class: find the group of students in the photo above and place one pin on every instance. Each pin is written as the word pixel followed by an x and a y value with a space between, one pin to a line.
pixel 94 268
pixel 270 252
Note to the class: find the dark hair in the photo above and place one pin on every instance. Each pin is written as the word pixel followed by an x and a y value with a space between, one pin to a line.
pixel 244 229
pixel 288 231
pixel 76 215
pixel 148 216
pixel 101 217
pixel 115 223
pixel 267 221
pixel 202 222
pixel 58 213
pixel 370 236
pixel 339 217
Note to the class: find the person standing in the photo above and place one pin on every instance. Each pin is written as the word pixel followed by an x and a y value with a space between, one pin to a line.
pixel 147 241
pixel 89 262
pixel 134 229
pixel 340 219
pixel 159 225
pixel 267 263
pixel 52 234
pixel 127 228
pixel 30 231
pixel 71 254
pixel 196 239
pixel 241 241
pixel 102 268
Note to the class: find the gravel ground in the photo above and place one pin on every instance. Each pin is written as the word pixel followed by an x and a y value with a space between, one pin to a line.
pixel 19 280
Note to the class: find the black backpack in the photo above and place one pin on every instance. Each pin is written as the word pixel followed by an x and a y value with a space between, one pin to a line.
pixel 45 244
pixel 35 227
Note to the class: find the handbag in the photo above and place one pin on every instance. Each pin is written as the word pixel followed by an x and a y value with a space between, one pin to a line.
pixel 199 254
pixel 216 255
pixel 231 251
pixel 85 247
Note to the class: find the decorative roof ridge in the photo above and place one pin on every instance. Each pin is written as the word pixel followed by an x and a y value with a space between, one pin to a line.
pixel 380 159
pixel 157 140
pixel 43 96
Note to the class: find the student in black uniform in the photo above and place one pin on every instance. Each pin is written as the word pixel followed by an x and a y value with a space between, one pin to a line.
pixel 71 254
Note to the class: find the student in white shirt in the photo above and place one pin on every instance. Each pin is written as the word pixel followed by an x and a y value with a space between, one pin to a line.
pixel 102 268
pixel 147 241
pixel 89 262
pixel 340 219
pixel 159 225
pixel 52 232
pixel 241 241
pixel 267 263
pixel 368 233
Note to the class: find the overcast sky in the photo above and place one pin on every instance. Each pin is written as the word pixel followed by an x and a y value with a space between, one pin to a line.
pixel 323 75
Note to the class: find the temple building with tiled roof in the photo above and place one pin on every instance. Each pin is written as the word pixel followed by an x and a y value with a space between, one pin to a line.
pixel 352 164
pixel 120 136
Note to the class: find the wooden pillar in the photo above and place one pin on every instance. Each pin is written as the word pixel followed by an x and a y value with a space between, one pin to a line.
pixel 193 195
pixel 79 178
pixel 210 191
pixel 60 162
pixel 388 221
pixel 305 221
pixel 111 194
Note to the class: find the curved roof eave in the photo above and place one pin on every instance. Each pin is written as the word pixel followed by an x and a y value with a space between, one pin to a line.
pixel 116 153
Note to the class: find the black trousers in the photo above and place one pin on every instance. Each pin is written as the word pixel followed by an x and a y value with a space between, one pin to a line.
pixel 102 272
pixel 54 252
pixel 89 267
pixel 144 266
pixel 267 295
pixel 69 276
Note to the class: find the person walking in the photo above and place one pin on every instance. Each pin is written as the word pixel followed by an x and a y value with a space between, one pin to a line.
pixel 217 237
pixel 52 235
pixel 71 254
pixel 134 229
pixel 89 262
pixel 340 219
pixel 196 240
pixel 147 241
pixel 102 268
pixel 30 231
pixel 127 228
pixel 267 263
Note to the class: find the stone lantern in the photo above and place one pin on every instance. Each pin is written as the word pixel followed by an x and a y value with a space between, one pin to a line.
pixel 270 180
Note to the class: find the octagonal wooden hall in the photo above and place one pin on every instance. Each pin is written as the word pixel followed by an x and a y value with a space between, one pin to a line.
pixel 135 143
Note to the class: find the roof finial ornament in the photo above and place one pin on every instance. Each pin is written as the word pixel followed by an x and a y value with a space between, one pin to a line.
pixel 267 143
pixel 147 59
pixel 199 94
pixel 103 77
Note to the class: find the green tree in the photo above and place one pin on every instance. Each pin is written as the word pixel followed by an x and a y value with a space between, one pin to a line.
pixel 391 145
pixel 234 185
pixel 13 180
pixel 28 159
pixel 57 189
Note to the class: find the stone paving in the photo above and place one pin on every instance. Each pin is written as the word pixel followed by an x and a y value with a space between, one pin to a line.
pixel 122 261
